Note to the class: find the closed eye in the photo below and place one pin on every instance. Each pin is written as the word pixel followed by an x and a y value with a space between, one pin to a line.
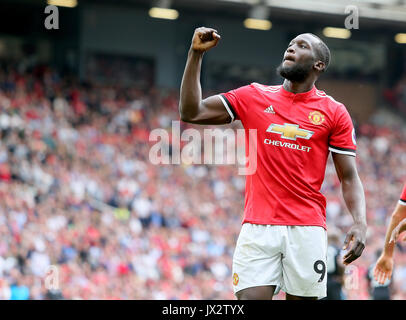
pixel 302 45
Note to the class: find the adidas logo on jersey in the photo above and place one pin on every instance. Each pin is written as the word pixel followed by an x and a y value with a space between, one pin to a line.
pixel 269 110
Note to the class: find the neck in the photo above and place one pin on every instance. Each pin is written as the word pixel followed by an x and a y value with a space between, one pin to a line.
pixel 298 87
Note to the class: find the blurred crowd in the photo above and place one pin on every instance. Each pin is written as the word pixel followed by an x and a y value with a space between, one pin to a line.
pixel 84 214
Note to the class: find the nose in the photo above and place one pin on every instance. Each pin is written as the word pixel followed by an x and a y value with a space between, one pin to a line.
pixel 290 49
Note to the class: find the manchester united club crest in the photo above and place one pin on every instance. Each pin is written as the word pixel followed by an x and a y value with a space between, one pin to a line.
pixel 316 117
pixel 235 279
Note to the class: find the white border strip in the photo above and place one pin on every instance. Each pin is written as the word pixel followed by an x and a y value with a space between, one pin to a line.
pixel 227 108
pixel 403 203
pixel 349 153
pixel 272 89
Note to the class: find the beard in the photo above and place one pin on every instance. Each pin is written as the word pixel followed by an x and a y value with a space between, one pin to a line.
pixel 296 72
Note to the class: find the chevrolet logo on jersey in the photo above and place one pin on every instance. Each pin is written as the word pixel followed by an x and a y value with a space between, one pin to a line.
pixel 290 131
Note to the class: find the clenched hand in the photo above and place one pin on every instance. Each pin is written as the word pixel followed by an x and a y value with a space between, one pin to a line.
pixel 204 39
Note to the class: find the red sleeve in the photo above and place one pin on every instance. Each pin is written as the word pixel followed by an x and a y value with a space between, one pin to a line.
pixel 342 137
pixel 235 101
pixel 402 200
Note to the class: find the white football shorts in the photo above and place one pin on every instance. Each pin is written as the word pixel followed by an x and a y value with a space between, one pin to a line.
pixel 293 258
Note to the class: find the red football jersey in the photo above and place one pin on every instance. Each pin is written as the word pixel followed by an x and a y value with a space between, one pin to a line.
pixel 402 200
pixel 295 133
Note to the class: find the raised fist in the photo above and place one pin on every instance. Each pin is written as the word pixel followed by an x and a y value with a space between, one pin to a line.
pixel 204 39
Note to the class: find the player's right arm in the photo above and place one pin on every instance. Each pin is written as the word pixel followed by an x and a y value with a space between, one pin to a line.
pixel 192 108
pixel 384 266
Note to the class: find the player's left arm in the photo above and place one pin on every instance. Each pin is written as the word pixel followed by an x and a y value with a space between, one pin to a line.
pixel 353 194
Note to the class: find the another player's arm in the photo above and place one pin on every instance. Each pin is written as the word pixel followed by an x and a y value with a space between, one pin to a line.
pixel 401 227
pixel 192 108
pixel 353 194
pixel 384 266
pixel 394 225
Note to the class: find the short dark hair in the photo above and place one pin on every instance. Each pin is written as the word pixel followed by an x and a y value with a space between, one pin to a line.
pixel 322 52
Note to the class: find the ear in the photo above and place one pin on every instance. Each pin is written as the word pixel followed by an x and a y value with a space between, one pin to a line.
pixel 319 66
